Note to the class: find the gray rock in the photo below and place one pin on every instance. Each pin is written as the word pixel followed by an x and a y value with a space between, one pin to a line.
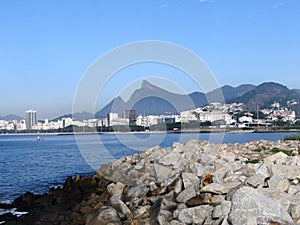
pixel 217 199
pixel 279 196
pixel 225 221
pixel 164 217
pixel 161 211
pixel 277 158
pixel 197 169
pixel 218 178
pixel 201 199
pixel 182 163
pixel 138 191
pixel 295 212
pixel 186 194
pixel 251 221
pixel 105 215
pixel 211 221
pixel 140 164
pixel 190 179
pixel 120 206
pixel 176 222
pixel 294 189
pixel 171 158
pixel 279 182
pixel 242 179
pixel 263 170
pixel 248 203
pixel 221 211
pixel 232 178
pixel 178 186
pixel 162 172
pixel 228 156
pixel 220 188
pixel 293 161
pixel 287 171
pixel 116 189
pixel 217 212
pixel 142 211
pixel 256 180
pixel 195 215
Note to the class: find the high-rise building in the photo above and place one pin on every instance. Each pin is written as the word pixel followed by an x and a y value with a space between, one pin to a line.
pixel 111 117
pixel 30 119
pixel 129 114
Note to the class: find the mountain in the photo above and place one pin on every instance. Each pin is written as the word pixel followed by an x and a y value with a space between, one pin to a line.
pixel 77 116
pixel 150 100
pixel 153 100
pixel 266 94
pixel 230 92
pixel 11 117
pixel 116 105
pixel 297 91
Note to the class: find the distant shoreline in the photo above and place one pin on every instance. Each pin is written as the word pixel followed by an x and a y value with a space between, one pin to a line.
pixel 206 130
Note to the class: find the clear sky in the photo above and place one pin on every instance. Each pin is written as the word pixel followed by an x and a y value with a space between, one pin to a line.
pixel 46 46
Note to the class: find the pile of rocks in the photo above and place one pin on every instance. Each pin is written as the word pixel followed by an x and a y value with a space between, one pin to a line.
pixel 193 183
pixel 203 183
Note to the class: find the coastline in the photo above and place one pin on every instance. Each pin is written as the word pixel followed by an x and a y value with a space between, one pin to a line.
pixel 187 184
pixel 202 130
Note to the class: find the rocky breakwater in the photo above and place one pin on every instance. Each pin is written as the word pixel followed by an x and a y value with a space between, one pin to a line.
pixel 202 183
pixel 192 183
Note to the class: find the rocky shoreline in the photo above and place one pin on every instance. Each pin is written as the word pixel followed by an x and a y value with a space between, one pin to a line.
pixel 192 183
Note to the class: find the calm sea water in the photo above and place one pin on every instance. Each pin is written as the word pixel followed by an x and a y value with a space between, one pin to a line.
pixel 30 165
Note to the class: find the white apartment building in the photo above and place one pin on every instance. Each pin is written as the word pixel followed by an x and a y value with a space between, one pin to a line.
pixel 246 119
pixel 30 117
pixel 212 116
pixel 114 120
pixel 188 116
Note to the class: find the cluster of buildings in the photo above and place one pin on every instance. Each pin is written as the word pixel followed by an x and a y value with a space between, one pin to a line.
pixel 216 114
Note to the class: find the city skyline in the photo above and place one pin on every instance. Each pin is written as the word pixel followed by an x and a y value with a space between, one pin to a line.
pixel 46 47
pixel 40 118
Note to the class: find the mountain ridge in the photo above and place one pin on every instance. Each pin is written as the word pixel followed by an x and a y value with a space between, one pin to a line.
pixel 265 94
pixel 11 117
pixel 153 100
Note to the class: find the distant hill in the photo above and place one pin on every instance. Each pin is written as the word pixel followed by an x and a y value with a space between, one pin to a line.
pixel 153 100
pixel 266 94
pixel 230 92
pixel 77 116
pixel 11 117
pixel 116 104
pixel 297 91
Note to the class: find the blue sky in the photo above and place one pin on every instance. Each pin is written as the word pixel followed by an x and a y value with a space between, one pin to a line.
pixel 46 46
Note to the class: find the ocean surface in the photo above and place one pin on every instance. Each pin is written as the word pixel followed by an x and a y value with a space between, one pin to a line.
pixel 30 165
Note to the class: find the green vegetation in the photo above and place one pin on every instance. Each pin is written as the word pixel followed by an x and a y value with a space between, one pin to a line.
pixel 253 161
pixel 295 137
pixel 287 152
pixel 260 148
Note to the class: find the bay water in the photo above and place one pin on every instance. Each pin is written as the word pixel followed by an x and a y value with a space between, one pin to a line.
pixel 30 165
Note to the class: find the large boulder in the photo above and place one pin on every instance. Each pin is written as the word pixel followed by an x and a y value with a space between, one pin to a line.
pixel 106 215
pixel 248 203
pixel 161 211
pixel 195 215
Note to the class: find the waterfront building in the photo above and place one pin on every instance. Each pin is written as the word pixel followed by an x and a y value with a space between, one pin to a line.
pixel 111 117
pixel 30 118
pixel 188 116
pixel 129 114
